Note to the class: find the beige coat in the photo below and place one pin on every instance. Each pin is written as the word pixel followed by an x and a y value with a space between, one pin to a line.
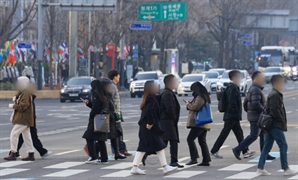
pixel 192 107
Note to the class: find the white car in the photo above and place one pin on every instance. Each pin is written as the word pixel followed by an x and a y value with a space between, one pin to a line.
pixel 137 84
pixel 219 70
pixel 213 77
pixel 189 79
pixel 224 81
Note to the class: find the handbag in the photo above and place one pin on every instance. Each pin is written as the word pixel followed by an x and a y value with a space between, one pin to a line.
pixel 265 121
pixel 204 115
pixel 102 122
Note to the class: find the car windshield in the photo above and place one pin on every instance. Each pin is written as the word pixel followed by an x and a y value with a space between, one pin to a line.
pixel 272 70
pixel 212 75
pixel 226 75
pixel 79 81
pixel 144 76
pixel 192 78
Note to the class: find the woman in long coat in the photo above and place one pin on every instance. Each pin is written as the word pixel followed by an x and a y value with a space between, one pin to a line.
pixel 100 103
pixel 150 132
pixel 200 97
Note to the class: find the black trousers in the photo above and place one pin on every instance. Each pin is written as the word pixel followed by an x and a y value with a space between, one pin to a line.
pixel 201 135
pixel 36 142
pixel 229 124
pixel 122 145
pixel 101 146
pixel 173 150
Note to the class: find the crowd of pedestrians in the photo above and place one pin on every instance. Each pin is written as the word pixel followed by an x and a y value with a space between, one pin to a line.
pixel 158 124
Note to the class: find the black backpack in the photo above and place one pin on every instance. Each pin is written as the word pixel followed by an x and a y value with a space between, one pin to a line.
pixel 265 121
pixel 222 100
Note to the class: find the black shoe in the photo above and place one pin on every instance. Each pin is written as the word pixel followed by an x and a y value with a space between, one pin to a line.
pixel 204 164
pixel 269 157
pixel 191 162
pixel 175 164
pixel 119 156
pixel 236 154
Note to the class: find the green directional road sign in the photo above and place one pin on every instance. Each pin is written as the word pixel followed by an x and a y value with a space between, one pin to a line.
pixel 163 11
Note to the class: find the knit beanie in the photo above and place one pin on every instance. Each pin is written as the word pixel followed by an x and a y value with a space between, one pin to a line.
pixel 23 82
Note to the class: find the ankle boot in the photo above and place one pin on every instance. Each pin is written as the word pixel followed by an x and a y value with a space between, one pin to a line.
pixel 11 157
pixel 116 149
pixel 30 157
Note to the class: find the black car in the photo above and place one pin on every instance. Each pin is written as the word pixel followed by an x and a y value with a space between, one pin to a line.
pixel 76 88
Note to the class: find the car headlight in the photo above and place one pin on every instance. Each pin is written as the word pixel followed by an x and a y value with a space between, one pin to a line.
pixel 86 90
pixel 219 84
pixel 294 69
pixel 62 91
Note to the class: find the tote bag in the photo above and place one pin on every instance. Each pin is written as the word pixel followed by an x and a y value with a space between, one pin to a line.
pixel 204 115
pixel 102 123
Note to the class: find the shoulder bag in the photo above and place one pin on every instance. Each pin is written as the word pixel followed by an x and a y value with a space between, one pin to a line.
pixel 204 115
pixel 102 122
pixel 265 121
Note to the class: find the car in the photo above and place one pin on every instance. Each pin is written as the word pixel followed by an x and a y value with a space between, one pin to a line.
pixel 224 81
pixel 219 70
pixel 162 84
pixel 137 84
pixel 76 88
pixel 274 70
pixel 189 79
pixel 214 77
pixel 294 73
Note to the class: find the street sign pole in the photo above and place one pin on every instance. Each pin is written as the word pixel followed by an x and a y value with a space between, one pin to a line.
pixel 39 45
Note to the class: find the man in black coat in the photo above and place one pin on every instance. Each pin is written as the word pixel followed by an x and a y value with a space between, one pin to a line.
pixel 233 114
pixel 170 112
pixel 254 104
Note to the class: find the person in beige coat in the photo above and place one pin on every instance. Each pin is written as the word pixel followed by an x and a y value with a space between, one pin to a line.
pixel 22 119
pixel 201 97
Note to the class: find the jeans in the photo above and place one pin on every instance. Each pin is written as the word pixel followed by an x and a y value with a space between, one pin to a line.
pixel 255 131
pixel 201 135
pixel 173 150
pixel 230 124
pixel 277 135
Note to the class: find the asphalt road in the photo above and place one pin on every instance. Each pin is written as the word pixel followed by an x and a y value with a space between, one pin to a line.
pixel 61 125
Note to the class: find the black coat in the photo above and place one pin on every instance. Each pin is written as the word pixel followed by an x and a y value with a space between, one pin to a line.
pixel 234 101
pixel 277 109
pixel 150 140
pixel 170 112
pixel 97 106
pixel 254 102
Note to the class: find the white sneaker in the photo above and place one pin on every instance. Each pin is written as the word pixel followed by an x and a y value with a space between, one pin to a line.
pixel 168 169
pixel 263 172
pixel 216 155
pixel 47 154
pixel 91 161
pixel 290 172
pixel 137 171
pixel 249 154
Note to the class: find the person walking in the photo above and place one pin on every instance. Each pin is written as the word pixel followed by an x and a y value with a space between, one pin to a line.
pixel 150 131
pixel 100 102
pixel 22 119
pixel 254 104
pixel 232 116
pixel 169 117
pixel 33 131
pixel 277 111
pixel 114 76
pixel 200 97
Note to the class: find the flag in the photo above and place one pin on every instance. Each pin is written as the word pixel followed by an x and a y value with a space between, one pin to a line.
pixel 18 51
pixel 12 57
pixel 7 45
pixel 91 48
pixel 66 55
pixel 61 49
pixel 1 56
pixel 80 53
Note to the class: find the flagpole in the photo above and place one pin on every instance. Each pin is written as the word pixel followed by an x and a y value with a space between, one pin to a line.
pixel 39 46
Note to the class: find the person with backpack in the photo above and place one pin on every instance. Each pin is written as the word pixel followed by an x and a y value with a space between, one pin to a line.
pixel 200 98
pixel 277 112
pixel 231 99
pixel 169 117
pixel 254 104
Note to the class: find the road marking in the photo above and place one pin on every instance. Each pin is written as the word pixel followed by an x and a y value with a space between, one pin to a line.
pixel 123 173
pixel 66 152
pixel 294 177
pixel 183 159
pixel 122 165
pixel 243 175
pixel 288 112
pixel 20 179
pixel 237 167
pixel 224 146
pixel 293 167
pixel 5 124
pixel 13 163
pixel 66 173
pixel 185 174
pixel 64 165
pixel 8 171
pixel 256 159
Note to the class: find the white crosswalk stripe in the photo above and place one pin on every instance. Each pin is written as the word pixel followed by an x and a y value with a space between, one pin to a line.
pixel 66 173
pixel 243 175
pixel 8 171
pixel 185 174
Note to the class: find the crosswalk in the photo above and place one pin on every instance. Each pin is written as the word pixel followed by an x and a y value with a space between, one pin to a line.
pixel 69 169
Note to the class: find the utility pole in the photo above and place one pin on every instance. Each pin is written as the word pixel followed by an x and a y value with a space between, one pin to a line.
pixel 97 48
pixel 39 45
pixel 89 53
pixel 73 28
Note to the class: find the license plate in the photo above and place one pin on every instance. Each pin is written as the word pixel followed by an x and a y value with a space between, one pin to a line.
pixel 73 95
